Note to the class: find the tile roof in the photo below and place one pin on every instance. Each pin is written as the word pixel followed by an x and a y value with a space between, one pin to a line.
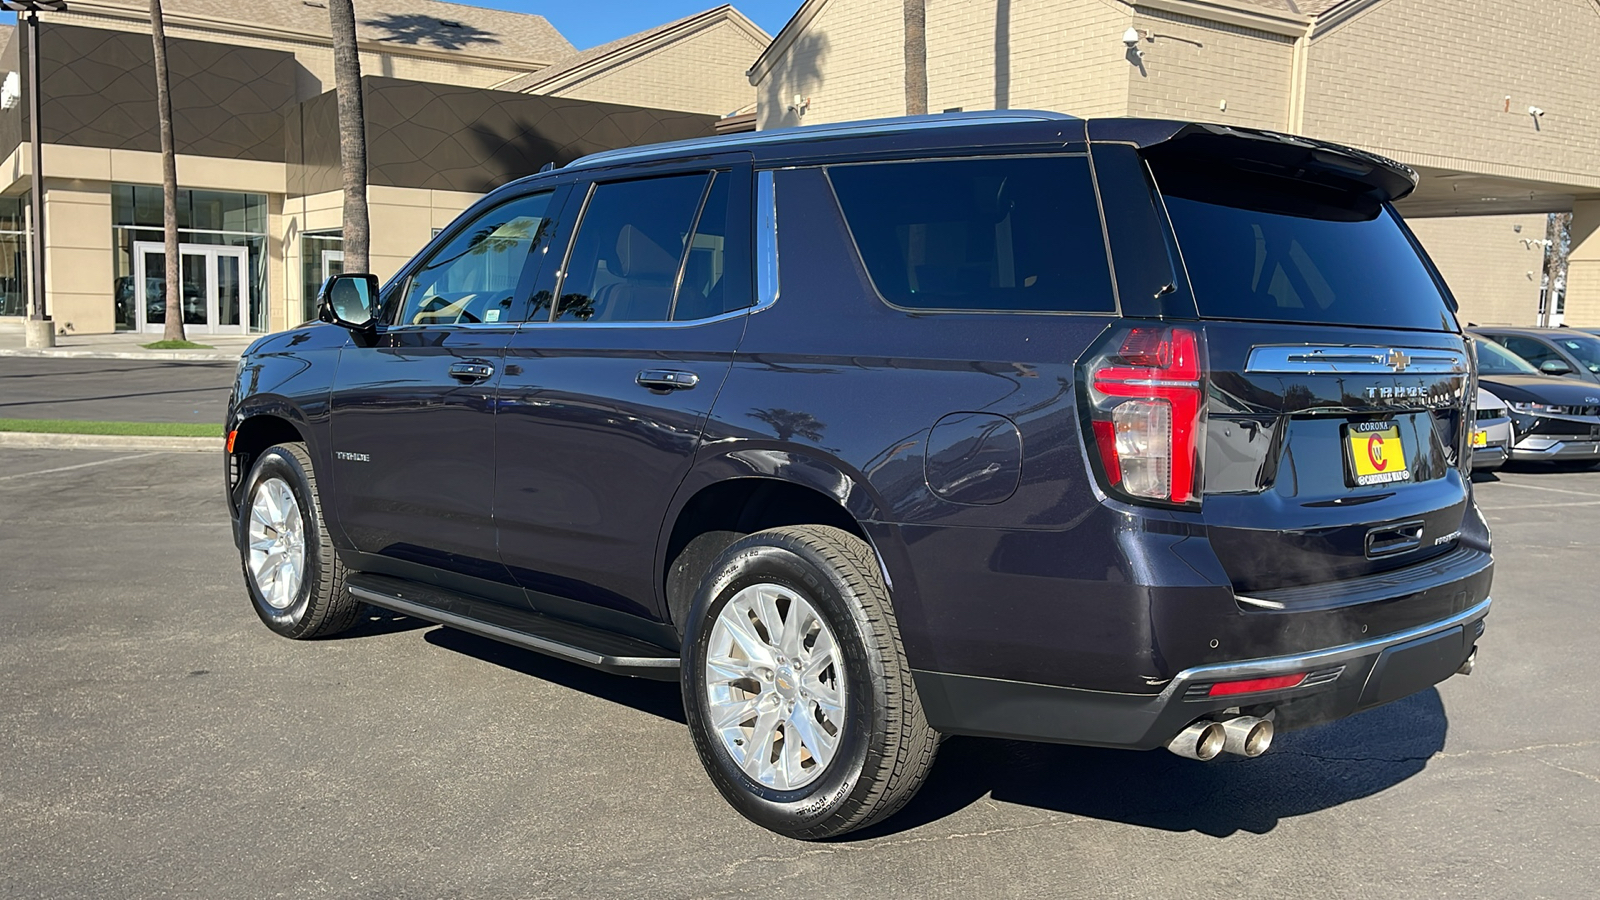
pixel 427 24
pixel 621 45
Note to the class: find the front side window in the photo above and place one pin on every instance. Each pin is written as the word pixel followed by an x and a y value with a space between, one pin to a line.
pixel 1011 234
pixel 1496 360
pixel 1535 352
pixel 624 262
pixel 473 279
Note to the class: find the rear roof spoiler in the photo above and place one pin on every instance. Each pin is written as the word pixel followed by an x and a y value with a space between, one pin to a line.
pixel 1294 156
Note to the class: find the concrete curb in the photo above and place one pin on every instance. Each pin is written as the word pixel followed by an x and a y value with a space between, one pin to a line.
pixel 147 355
pixel 48 441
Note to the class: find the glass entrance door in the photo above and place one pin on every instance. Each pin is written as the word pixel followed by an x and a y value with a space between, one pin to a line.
pixel 215 282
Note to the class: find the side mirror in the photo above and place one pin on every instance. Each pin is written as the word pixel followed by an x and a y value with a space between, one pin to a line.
pixel 349 301
pixel 1555 367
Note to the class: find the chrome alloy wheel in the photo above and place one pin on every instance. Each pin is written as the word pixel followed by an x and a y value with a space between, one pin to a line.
pixel 775 686
pixel 277 543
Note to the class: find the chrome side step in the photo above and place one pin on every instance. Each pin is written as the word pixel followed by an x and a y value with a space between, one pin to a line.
pixel 554 637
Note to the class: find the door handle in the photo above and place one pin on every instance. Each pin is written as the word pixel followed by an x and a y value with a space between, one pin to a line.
pixel 471 372
pixel 667 380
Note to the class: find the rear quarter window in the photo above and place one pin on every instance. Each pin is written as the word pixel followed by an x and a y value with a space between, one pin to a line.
pixel 1014 234
pixel 1264 248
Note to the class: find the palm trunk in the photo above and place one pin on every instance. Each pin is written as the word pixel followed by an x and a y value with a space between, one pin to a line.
pixel 915 14
pixel 352 133
pixel 169 179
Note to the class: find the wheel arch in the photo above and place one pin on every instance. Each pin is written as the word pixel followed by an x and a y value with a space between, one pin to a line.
pixel 255 426
pixel 748 491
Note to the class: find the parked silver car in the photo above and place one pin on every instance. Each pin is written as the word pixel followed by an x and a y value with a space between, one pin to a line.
pixel 1492 435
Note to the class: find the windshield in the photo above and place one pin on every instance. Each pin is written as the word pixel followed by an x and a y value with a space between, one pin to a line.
pixel 1585 348
pixel 1496 360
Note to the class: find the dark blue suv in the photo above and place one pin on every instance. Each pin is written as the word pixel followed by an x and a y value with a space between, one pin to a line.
pixel 1120 432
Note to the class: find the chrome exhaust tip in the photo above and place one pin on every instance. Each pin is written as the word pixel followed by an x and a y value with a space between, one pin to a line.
pixel 1470 663
pixel 1247 736
pixel 1203 741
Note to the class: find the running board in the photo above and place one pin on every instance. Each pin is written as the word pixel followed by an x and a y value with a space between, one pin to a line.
pixel 565 640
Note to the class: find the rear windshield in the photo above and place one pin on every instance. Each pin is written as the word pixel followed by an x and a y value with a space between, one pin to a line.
pixel 1272 250
pixel 1494 359
pixel 1015 234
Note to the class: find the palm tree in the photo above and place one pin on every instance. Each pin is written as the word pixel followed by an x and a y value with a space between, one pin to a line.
pixel 915 15
pixel 173 331
pixel 352 133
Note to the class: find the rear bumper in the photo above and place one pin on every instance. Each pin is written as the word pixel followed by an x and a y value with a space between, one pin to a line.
pixel 1341 681
pixel 1488 458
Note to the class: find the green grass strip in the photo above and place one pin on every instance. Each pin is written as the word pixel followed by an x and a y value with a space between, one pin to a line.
pixel 176 345
pixel 72 426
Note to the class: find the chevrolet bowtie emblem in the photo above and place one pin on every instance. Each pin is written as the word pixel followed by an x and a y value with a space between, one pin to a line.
pixel 1398 360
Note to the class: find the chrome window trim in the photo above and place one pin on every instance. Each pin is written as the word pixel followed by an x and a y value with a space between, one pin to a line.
pixel 1306 359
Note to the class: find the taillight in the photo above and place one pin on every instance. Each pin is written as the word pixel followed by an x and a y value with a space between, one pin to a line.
pixel 1147 405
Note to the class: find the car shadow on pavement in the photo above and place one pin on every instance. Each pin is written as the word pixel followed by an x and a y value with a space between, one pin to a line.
pixel 1304 772
pixel 375 621
pixel 658 698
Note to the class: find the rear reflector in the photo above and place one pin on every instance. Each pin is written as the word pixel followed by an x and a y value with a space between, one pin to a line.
pixel 1252 685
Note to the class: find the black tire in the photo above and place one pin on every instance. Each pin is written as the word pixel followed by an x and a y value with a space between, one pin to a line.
pixel 885 748
pixel 322 606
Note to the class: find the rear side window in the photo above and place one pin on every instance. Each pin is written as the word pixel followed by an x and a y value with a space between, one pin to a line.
pixel 1268 249
pixel 1019 234
pixel 624 262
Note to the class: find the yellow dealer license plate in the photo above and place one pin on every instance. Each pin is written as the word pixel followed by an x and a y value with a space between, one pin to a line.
pixel 1480 439
pixel 1376 456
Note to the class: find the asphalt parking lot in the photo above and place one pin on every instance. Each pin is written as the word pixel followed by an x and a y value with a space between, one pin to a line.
pixel 114 390
pixel 158 741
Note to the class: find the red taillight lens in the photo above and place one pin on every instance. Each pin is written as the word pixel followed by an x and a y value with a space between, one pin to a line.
pixel 1252 685
pixel 1147 413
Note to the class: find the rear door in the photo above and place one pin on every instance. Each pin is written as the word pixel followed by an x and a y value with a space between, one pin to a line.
pixel 413 419
pixel 607 391
pixel 1339 384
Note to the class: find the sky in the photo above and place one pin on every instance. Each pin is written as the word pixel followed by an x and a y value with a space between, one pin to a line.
pixel 587 23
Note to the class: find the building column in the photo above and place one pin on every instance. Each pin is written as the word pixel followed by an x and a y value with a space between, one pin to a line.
pixel 1583 265
pixel 79 274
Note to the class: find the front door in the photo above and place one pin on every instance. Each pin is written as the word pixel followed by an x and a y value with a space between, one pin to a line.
pixel 413 409
pixel 215 282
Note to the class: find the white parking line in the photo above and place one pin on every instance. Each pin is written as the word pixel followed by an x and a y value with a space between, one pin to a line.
pixel 86 465
pixel 1540 487
pixel 1488 508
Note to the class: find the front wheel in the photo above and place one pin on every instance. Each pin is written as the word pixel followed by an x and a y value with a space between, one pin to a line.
pixel 796 687
pixel 295 580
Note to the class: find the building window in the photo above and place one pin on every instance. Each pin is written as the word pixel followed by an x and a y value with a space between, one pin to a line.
pixel 13 256
pixel 321 258
pixel 206 219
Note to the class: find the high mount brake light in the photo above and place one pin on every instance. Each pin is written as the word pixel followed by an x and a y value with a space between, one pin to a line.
pixel 1147 414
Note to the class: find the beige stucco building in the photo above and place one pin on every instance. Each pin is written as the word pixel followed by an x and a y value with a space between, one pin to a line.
pixel 458 100
pixel 1492 101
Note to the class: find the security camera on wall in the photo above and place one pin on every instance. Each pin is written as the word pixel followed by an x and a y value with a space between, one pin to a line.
pixel 10 91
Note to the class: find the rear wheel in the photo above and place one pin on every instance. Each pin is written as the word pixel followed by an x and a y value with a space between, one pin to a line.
pixel 295 580
pixel 796 687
